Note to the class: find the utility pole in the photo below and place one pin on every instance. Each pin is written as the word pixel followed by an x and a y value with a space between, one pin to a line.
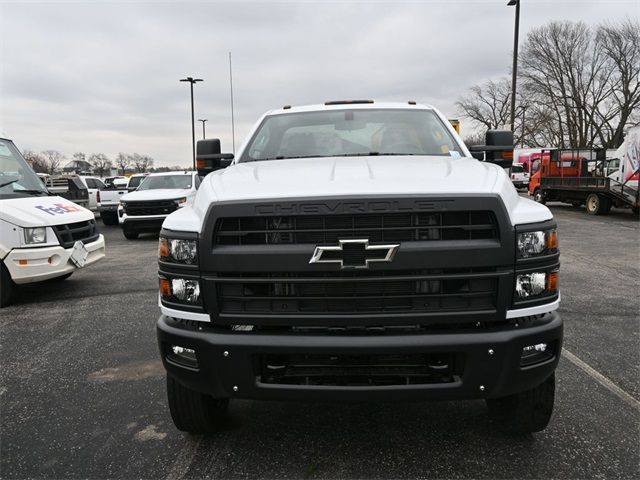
pixel 203 120
pixel 514 70
pixel 233 127
pixel 192 80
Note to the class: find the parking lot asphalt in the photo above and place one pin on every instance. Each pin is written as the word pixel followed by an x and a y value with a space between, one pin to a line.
pixel 82 388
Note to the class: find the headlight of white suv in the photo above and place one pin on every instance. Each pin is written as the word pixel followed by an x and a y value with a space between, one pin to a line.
pixel 35 235
pixel 178 250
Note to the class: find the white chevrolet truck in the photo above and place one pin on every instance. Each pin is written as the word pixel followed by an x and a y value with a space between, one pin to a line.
pixel 357 251
pixel 157 195
pixel 42 237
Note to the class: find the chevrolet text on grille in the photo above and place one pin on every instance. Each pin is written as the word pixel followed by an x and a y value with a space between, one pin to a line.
pixel 351 207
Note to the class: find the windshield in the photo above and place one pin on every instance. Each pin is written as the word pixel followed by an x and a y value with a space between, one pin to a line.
pixel 17 179
pixel 166 181
pixel 517 169
pixel 134 182
pixel 352 132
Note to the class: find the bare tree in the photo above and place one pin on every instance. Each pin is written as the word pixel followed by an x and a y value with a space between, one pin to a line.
pixel 100 163
pixel 52 160
pixel 79 157
pixel 35 160
pixel 123 161
pixel 141 163
pixel 578 87
pixel 620 43
pixel 488 105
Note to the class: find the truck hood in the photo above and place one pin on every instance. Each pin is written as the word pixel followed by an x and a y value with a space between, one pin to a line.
pixel 42 211
pixel 159 194
pixel 343 177
pixel 353 176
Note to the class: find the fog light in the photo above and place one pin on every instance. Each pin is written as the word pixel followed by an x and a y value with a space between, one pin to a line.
pixel 532 354
pixel 183 356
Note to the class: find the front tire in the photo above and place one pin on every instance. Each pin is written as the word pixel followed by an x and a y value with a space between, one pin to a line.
pixel 538 196
pixel 598 204
pixel 109 218
pixel 131 235
pixel 524 412
pixel 192 411
pixel 7 286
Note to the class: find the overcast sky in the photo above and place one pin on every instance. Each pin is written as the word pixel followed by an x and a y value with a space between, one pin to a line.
pixel 96 76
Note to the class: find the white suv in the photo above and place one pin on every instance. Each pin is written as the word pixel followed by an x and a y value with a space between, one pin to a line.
pixel 159 194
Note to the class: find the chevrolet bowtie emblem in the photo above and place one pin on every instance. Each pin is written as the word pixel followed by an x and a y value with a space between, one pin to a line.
pixel 354 253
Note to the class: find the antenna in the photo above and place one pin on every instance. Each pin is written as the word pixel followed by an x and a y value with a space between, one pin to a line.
pixel 233 127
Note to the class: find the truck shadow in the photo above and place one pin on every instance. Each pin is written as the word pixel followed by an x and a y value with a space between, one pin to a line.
pixel 366 440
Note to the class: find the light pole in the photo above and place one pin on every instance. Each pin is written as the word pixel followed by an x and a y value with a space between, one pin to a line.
pixel 192 80
pixel 524 109
pixel 203 120
pixel 514 71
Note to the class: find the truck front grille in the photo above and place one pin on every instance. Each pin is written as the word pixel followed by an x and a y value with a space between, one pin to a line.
pixel 70 233
pixel 156 207
pixel 360 370
pixel 391 227
pixel 354 293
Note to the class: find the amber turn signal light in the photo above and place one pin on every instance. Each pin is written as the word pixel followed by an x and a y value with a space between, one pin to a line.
pixel 165 288
pixel 164 249
pixel 552 282
pixel 552 240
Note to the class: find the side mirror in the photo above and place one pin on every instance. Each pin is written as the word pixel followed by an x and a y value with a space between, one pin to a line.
pixel 498 148
pixel 208 156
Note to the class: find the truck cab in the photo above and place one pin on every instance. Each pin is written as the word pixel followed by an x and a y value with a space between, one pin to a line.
pixel 42 237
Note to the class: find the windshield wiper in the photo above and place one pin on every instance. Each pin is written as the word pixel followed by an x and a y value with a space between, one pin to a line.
pixel 32 192
pixel 282 157
pixel 372 154
pixel 9 182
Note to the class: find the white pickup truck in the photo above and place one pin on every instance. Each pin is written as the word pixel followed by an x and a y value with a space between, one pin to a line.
pixel 108 200
pixel 356 251
pixel 42 237
pixel 159 194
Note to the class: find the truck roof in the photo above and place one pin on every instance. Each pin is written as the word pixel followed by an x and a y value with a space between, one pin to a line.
pixel 349 104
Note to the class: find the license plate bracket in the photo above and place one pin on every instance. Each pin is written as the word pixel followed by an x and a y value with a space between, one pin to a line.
pixel 79 254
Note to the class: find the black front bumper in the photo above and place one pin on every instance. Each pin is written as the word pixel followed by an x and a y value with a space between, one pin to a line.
pixel 227 367
pixel 142 225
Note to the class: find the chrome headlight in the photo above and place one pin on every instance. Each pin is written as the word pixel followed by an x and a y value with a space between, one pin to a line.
pixel 532 285
pixel 35 235
pixel 178 250
pixel 541 242
pixel 181 202
pixel 182 290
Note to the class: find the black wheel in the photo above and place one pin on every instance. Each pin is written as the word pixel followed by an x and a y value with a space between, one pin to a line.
pixel 7 286
pixel 524 412
pixel 192 411
pixel 130 235
pixel 61 278
pixel 109 218
pixel 598 205
pixel 538 196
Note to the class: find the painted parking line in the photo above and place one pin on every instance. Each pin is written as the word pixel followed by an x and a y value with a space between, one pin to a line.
pixel 601 379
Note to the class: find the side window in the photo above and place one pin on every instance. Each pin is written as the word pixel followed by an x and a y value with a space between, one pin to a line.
pixel 90 183
pixel 99 184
